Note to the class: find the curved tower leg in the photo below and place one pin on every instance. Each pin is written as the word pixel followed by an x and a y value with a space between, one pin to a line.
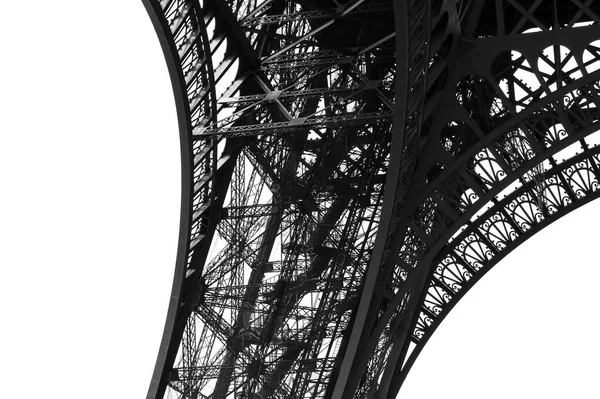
pixel 351 168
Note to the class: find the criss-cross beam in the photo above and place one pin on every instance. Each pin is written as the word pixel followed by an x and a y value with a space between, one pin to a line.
pixel 287 127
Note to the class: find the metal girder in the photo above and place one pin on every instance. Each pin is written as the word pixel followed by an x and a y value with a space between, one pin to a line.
pixel 314 14
pixel 299 125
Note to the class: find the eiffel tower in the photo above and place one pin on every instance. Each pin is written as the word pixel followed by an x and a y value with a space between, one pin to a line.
pixel 351 168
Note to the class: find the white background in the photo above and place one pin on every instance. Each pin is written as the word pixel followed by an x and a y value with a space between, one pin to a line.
pixel 89 208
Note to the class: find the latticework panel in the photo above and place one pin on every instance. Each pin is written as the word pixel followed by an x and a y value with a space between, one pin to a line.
pixel 289 115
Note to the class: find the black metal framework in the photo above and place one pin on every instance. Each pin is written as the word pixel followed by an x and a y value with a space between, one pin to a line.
pixel 351 168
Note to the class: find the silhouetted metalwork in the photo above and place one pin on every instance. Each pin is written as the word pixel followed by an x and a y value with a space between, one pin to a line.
pixel 351 168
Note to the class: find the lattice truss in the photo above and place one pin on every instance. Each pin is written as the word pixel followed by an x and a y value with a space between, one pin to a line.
pixel 291 109
pixel 482 120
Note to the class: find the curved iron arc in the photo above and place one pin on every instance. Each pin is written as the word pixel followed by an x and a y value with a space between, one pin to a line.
pixel 456 297
pixel 585 86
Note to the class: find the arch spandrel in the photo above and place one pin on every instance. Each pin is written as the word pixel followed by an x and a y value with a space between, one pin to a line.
pixel 532 163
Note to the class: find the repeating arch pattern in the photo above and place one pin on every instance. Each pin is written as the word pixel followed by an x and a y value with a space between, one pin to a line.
pixel 534 159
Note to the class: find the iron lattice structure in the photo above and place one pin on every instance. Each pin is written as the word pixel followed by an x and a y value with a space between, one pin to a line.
pixel 351 168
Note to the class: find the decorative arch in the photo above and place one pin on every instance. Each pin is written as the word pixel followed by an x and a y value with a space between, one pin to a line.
pixel 535 158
